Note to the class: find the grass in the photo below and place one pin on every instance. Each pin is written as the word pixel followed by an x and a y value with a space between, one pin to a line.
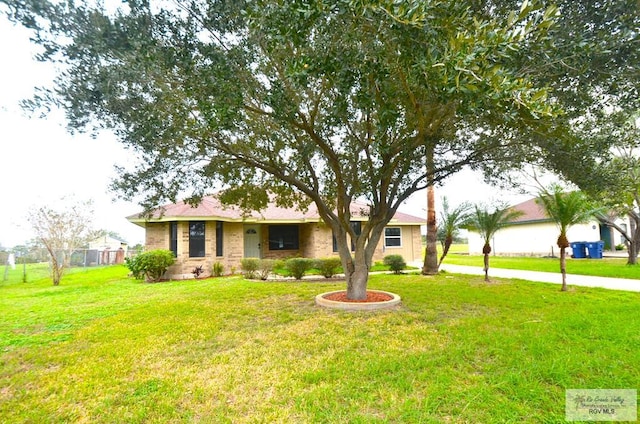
pixel 104 348
pixel 31 272
pixel 606 267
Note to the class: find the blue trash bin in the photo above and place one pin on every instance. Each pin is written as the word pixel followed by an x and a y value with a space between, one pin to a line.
pixel 595 249
pixel 579 249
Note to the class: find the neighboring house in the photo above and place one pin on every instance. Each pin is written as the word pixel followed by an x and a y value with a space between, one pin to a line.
pixel 103 250
pixel 109 250
pixel 535 234
pixel 211 232
pixel 105 242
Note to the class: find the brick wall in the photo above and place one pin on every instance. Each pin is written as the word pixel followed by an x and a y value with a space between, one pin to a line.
pixel 315 241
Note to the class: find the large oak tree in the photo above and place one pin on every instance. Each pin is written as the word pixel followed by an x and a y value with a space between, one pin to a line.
pixel 324 101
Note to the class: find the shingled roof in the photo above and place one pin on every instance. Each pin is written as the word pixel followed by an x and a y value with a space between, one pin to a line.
pixel 211 209
pixel 531 212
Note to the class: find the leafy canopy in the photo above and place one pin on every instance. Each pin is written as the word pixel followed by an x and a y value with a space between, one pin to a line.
pixel 328 99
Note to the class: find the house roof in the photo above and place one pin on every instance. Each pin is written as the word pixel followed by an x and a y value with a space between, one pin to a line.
pixel 532 212
pixel 211 209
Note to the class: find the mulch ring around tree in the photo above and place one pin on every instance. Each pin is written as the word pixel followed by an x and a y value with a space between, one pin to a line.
pixel 372 296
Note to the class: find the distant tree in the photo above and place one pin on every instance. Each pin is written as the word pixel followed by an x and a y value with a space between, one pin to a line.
pixel 565 209
pixel 137 248
pixel 487 225
pixel 451 220
pixel 37 250
pixel 62 231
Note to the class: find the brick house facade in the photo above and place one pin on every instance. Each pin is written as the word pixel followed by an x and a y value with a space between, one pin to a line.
pixel 211 233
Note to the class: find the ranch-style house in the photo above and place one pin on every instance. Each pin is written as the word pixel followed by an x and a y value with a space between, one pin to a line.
pixel 212 232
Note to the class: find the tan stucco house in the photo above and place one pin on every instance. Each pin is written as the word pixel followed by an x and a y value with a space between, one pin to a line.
pixel 211 232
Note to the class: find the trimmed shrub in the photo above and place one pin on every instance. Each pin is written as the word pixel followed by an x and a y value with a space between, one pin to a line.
pixel 249 267
pixel 328 267
pixel 265 267
pixel 218 269
pixel 395 263
pixel 297 267
pixel 151 265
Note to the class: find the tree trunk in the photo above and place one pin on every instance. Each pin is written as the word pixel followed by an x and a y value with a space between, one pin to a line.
pixel 356 264
pixel 486 250
pixel 430 266
pixel 563 267
pixel 56 265
pixel 357 283
pixel 486 268
pixel 632 253
pixel 448 241
pixel 631 236
pixel 431 254
pixel 634 243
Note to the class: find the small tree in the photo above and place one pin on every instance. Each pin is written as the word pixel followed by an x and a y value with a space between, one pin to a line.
pixel 62 231
pixel 565 209
pixel 487 224
pixel 450 221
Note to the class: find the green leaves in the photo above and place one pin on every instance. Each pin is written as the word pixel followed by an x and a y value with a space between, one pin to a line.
pixel 566 208
pixel 487 222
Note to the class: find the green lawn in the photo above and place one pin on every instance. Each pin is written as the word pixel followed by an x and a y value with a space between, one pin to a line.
pixel 104 348
pixel 607 267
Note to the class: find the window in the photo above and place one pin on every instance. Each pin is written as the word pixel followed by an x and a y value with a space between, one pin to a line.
pixel 393 237
pixel 357 228
pixel 173 238
pixel 196 239
pixel 283 237
pixel 219 237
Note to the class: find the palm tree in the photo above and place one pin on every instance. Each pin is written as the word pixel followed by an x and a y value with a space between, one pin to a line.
pixel 566 209
pixel 450 221
pixel 487 224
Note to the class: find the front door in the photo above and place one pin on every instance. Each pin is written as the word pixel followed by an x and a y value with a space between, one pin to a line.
pixel 252 241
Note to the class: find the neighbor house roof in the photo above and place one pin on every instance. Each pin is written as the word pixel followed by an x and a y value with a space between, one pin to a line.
pixel 211 209
pixel 532 212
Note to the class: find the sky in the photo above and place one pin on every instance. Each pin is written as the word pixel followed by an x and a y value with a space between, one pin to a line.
pixel 41 163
